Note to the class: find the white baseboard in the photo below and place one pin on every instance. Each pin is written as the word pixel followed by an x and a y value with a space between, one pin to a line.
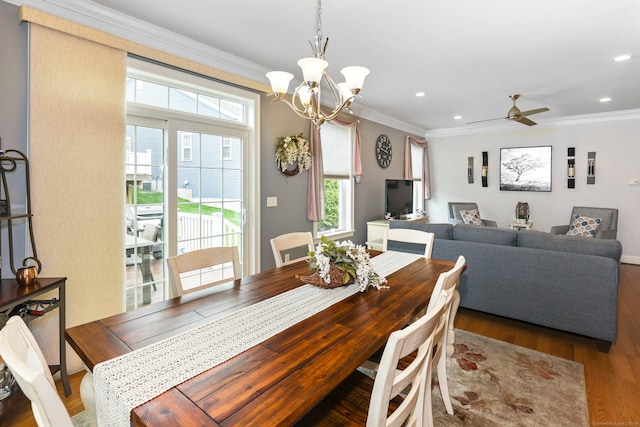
pixel 630 259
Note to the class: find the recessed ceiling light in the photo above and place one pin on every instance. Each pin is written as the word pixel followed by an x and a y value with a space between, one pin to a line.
pixel 605 99
pixel 622 57
pixel 420 94
pixel 457 117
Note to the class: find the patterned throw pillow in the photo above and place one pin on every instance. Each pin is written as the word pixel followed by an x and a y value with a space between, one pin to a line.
pixel 584 226
pixel 471 217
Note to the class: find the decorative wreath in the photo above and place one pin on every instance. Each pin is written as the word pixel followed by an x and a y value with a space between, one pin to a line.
pixel 293 154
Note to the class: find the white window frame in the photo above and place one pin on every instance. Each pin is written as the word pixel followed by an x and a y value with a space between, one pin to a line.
pixel 140 69
pixel 346 183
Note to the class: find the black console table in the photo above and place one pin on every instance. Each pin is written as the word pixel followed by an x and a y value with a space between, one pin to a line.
pixel 12 294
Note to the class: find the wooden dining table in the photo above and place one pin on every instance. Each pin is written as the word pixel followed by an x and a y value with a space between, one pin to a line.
pixel 276 382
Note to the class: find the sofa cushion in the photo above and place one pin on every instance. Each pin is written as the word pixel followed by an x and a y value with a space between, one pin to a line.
pixel 471 217
pixel 584 226
pixel 540 240
pixel 440 230
pixel 491 235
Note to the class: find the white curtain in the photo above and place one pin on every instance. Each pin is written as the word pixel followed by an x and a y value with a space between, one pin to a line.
pixel 408 168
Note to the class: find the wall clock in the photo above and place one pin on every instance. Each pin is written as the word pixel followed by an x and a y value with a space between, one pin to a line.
pixel 383 151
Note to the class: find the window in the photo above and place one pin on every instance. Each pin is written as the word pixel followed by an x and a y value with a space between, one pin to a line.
pixel 416 168
pixel 192 157
pixel 337 159
pixel 226 149
pixel 144 92
pixel 186 146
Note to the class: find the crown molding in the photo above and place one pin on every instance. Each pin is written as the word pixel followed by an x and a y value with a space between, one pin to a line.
pixel 362 111
pixel 506 126
pixel 118 24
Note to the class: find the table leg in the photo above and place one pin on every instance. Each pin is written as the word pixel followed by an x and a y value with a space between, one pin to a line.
pixel 64 376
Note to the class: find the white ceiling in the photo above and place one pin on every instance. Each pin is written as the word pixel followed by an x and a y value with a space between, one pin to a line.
pixel 467 55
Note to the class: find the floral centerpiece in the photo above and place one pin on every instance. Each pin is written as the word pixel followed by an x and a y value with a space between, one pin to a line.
pixel 293 150
pixel 341 263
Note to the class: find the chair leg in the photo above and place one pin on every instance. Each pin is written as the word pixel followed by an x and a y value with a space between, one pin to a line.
pixel 87 395
pixel 427 410
pixel 447 353
pixel 444 384
pixel 451 331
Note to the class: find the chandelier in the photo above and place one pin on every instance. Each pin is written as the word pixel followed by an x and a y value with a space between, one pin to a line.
pixel 306 99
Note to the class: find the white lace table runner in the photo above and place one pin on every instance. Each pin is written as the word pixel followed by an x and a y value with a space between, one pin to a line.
pixel 132 379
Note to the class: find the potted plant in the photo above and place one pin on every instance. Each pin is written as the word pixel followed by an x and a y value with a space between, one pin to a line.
pixel 341 263
pixel 522 212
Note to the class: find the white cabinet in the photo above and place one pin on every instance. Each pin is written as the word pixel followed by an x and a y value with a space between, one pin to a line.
pixel 375 233
pixel 378 228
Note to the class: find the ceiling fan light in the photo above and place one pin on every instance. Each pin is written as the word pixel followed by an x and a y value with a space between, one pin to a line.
pixel 312 69
pixel 279 82
pixel 355 75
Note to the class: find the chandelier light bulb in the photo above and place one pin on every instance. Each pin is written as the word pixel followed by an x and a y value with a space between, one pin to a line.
pixel 355 76
pixel 345 91
pixel 312 69
pixel 279 82
pixel 305 96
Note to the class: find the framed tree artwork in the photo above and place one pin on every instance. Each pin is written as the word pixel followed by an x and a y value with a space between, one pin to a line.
pixel 525 169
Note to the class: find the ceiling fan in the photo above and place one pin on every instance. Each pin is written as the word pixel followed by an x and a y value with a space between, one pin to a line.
pixel 516 115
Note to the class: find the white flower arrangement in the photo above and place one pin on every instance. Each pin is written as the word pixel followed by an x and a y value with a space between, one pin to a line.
pixel 353 260
pixel 293 149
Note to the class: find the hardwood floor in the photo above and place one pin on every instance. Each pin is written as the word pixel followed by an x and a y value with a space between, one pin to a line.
pixel 612 379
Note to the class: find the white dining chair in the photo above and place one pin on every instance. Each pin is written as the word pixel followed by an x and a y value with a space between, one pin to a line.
pixel 203 268
pixel 408 240
pixel 447 282
pixel 396 397
pixel 288 241
pixel 23 357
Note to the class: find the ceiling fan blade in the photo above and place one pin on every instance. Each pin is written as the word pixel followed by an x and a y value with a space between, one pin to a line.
pixel 524 121
pixel 487 120
pixel 536 111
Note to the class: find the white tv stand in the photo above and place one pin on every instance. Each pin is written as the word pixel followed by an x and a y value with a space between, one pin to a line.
pixel 378 228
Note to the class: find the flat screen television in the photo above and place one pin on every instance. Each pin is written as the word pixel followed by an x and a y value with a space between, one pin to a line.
pixel 398 196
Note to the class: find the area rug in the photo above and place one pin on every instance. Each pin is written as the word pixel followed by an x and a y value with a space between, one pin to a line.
pixel 81 420
pixel 493 383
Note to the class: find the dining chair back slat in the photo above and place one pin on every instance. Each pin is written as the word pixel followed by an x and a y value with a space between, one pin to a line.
pixel 408 240
pixel 203 268
pixel 299 239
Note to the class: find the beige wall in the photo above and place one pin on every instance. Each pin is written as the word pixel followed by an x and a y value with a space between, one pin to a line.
pixel 77 129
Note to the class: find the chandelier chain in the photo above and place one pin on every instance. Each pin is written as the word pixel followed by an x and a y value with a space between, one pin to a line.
pixel 319 29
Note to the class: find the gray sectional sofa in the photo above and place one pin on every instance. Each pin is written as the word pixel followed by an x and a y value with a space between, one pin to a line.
pixel 567 283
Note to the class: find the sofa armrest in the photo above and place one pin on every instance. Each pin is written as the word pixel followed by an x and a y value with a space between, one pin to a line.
pixel 489 223
pixel 559 229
